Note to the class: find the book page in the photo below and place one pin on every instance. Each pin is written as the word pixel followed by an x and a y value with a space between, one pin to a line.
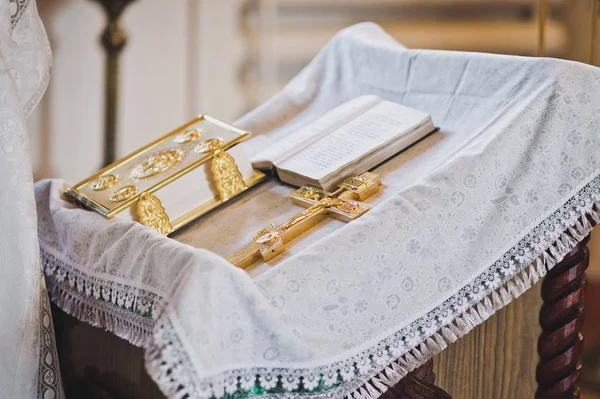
pixel 308 134
pixel 353 140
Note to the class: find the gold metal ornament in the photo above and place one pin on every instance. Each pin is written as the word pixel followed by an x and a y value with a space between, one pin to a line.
pixel 151 213
pixel 341 204
pixel 226 175
pixel 267 237
pixel 316 208
pixel 124 193
pixel 104 182
pixel 188 136
pixel 157 163
pixel 166 155
pixel 209 145
pixel 361 187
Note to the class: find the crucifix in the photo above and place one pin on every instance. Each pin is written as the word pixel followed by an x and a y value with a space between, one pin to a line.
pixel 342 204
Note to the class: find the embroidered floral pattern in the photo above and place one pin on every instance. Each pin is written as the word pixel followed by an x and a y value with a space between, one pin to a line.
pixel 135 309
pixel 458 242
pixel 17 7
pixel 49 381
pixel 400 353
pixel 25 320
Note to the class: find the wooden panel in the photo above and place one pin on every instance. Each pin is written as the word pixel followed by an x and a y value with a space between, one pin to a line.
pixel 496 360
pixel 96 364
pixel 593 271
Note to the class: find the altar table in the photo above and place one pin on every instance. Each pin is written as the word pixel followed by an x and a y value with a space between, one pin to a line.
pixel 468 220
pixel 497 358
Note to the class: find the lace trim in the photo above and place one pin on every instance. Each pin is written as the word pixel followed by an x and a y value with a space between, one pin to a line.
pixel 17 8
pixel 126 311
pixel 49 380
pixel 369 374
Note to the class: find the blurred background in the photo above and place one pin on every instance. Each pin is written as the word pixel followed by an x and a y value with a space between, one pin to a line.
pixel 224 57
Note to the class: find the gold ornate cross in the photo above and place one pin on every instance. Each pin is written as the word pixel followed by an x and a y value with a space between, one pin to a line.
pixel 342 204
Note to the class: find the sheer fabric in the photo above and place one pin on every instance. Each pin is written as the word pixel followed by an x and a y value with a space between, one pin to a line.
pixel 28 359
pixel 506 188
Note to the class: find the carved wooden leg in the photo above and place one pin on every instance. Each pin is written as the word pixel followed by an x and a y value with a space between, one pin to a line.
pixel 561 343
pixel 419 384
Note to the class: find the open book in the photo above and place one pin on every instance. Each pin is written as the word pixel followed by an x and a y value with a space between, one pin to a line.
pixel 350 139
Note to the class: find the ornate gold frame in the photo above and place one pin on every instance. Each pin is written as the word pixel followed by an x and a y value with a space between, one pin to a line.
pixel 75 194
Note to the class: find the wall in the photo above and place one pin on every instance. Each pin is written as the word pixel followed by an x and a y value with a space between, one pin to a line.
pixel 181 59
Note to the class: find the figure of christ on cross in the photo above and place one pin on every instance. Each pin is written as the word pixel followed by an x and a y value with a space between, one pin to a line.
pixel 270 241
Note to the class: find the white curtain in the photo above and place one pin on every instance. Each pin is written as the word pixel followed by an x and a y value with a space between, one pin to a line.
pixel 28 359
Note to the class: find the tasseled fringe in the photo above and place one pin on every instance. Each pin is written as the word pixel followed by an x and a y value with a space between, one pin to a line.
pixel 165 374
pixel 423 354
pixel 595 215
pixel 373 392
pixel 481 311
pixel 408 361
pixel 485 309
pixel 586 222
pixel 88 313
pixel 361 393
pixel 436 343
pixel 386 380
pixel 449 334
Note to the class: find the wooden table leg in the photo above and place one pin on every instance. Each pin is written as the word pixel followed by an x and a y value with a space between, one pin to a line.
pixel 561 343
pixel 419 384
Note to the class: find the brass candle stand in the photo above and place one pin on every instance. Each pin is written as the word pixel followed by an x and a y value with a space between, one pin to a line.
pixel 113 40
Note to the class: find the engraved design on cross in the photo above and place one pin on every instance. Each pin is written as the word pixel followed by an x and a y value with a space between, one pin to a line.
pixel 269 242
pixel 321 204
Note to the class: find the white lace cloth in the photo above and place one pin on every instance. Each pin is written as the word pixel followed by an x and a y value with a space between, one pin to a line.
pixel 28 361
pixel 468 220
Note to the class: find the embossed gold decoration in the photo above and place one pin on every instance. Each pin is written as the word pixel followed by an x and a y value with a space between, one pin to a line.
pixel 309 192
pixel 156 163
pixel 267 237
pixel 351 208
pixel 104 182
pixel 158 157
pixel 354 183
pixel 188 136
pixel 124 193
pixel 151 213
pixel 226 175
pixel 270 241
pixel 209 145
pixel 361 187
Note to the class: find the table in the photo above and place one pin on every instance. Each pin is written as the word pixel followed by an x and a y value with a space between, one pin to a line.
pixel 517 174
pixel 467 369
